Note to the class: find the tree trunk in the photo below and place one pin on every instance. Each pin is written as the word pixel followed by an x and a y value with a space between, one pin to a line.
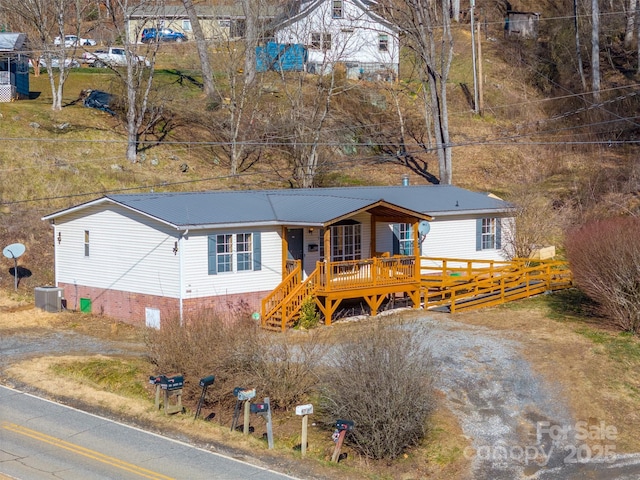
pixel 201 45
pixel 132 126
pixel 251 41
pixel 578 47
pixel 631 18
pixel 595 50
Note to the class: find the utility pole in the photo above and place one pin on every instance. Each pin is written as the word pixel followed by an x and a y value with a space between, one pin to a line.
pixel 480 82
pixel 473 56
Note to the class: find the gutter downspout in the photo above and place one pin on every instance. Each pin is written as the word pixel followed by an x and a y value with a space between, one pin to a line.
pixel 181 272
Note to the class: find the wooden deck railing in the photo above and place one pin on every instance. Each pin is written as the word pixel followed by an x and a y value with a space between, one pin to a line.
pixel 494 286
pixel 363 274
pixel 274 300
pixel 458 283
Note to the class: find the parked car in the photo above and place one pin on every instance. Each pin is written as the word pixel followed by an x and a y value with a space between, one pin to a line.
pixel 162 35
pixel 55 62
pixel 75 41
pixel 110 57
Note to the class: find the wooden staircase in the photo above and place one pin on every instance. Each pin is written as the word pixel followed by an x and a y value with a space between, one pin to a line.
pixel 280 310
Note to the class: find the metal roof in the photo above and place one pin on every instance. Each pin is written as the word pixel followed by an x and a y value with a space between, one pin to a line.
pixel 12 42
pixel 317 206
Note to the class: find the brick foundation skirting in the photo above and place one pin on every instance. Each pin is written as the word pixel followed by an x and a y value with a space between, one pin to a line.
pixel 131 307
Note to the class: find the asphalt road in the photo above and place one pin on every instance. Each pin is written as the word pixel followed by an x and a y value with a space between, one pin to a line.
pixel 40 440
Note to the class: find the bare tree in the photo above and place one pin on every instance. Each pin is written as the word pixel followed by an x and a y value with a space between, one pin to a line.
pixel 578 47
pixel 42 20
pixel 631 20
pixel 428 32
pixel 595 50
pixel 201 45
pixel 137 77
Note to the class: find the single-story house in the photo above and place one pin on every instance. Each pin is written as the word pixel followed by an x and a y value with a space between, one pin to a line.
pixel 14 66
pixel 342 31
pixel 143 257
pixel 218 23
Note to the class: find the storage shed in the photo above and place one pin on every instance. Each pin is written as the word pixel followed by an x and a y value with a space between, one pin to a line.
pixel 14 66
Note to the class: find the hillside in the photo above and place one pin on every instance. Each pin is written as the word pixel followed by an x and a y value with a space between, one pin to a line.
pixel 537 143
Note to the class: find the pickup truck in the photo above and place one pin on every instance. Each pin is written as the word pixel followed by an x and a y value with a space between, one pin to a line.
pixel 110 57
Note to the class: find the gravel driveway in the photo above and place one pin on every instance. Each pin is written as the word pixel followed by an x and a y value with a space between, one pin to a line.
pixel 519 426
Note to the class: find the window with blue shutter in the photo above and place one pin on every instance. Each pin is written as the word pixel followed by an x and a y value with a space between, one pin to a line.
pixel 488 234
pixel 234 252
pixel 212 255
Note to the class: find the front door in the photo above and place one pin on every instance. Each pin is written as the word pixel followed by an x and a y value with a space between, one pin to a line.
pixel 294 241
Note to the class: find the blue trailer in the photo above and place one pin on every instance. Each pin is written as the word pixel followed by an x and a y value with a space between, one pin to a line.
pixel 281 57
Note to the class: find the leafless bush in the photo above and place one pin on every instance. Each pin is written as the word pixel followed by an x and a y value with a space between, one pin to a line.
pixel 287 373
pixel 381 381
pixel 605 260
pixel 538 223
pixel 239 354
pixel 205 344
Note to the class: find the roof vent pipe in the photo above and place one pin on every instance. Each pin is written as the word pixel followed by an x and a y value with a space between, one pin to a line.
pixel 405 180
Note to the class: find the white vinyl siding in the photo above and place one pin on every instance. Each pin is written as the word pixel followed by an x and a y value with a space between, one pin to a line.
pixel 128 252
pixel 198 282
pixel 451 237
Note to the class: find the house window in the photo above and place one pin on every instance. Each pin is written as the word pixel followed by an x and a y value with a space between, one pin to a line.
pixel 488 234
pixel 337 9
pixel 383 42
pixel 346 242
pixel 320 41
pixel 234 252
pixel 405 239
pixel 186 25
pixel 243 246
pixel 86 243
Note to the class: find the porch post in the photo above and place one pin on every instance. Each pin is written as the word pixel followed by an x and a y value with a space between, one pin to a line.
pixel 372 246
pixel 327 256
pixel 416 249
pixel 285 251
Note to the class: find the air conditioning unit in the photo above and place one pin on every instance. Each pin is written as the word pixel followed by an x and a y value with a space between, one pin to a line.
pixel 49 298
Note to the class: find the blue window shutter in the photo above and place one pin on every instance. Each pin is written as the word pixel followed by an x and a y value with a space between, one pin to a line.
pixel 257 251
pixel 396 239
pixel 212 255
pixel 498 234
pixel 478 234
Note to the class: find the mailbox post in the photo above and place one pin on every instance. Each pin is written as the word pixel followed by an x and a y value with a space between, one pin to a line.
pixel 304 411
pixel 205 383
pixel 264 410
pixel 242 395
pixel 172 387
pixel 342 426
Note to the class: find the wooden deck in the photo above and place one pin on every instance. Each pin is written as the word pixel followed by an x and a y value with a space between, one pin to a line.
pixel 453 284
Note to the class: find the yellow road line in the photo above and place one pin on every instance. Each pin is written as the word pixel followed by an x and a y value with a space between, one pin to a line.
pixel 100 457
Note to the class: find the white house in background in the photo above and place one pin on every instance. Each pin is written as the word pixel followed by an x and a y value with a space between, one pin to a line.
pixel 143 257
pixel 344 31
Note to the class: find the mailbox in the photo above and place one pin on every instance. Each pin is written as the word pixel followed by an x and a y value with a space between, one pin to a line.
pixel 304 409
pixel 344 425
pixel 259 408
pixel 172 383
pixel 155 380
pixel 244 394
pixel 207 381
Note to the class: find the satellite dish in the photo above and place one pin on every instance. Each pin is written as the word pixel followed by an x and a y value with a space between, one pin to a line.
pixel 15 250
pixel 423 228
